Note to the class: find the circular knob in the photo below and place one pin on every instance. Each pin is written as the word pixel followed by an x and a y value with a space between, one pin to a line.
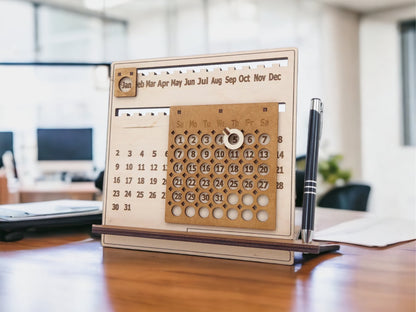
pixel 233 138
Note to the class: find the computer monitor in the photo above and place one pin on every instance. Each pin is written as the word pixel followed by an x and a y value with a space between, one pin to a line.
pixel 67 150
pixel 6 144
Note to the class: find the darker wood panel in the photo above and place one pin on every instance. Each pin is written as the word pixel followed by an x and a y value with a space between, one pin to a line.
pixel 216 239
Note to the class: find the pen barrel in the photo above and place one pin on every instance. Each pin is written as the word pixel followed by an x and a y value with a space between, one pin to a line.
pixel 308 215
pixel 309 193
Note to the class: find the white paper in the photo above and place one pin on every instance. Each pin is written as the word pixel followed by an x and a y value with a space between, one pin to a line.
pixel 55 207
pixel 370 231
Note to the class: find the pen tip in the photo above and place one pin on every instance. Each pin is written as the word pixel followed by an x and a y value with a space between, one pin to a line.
pixel 307 236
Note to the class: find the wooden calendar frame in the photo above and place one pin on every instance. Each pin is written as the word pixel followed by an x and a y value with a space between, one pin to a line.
pixel 142 93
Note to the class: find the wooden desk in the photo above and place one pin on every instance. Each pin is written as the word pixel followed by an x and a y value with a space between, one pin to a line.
pixel 58 190
pixel 69 271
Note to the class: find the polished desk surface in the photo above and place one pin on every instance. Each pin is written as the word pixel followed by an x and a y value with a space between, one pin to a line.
pixel 69 271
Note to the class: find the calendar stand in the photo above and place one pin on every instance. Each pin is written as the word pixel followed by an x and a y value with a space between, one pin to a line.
pixel 230 240
pixel 201 157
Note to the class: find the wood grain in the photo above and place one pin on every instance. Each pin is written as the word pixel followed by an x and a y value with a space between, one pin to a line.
pixel 71 272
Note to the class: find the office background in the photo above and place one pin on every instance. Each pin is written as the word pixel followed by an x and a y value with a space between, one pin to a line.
pixel 351 54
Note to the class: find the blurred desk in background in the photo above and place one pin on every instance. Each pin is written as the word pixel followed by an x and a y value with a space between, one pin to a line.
pixel 57 190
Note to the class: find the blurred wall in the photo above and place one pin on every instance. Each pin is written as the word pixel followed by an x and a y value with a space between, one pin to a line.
pixel 388 165
pixel 327 39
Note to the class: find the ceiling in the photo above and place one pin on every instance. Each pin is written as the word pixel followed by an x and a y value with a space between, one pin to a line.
pixel 129 8
pixel 368 6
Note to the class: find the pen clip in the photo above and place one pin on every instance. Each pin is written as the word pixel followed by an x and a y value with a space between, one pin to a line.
pixel 321 117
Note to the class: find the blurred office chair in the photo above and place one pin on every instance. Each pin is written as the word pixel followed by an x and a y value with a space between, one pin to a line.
pixel 99 181
pixel 348 197
pixel 300 177
pixel 9 165
pixel 301 162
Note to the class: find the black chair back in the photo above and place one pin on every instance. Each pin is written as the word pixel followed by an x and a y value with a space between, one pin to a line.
pixel 348 197
pixel 300 177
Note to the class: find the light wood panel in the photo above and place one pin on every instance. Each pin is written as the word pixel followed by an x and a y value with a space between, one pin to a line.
pixel 136 183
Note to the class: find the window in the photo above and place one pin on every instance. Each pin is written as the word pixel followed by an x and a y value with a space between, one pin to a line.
pixel 37 32
pixel 64 35
pixel 54 72
pixel 408 47
pixel 16 31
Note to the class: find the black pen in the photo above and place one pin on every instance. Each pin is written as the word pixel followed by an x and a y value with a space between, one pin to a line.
pixel 309 192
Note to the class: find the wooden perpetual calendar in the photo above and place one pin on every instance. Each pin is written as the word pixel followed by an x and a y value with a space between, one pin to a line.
pixel 201 156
